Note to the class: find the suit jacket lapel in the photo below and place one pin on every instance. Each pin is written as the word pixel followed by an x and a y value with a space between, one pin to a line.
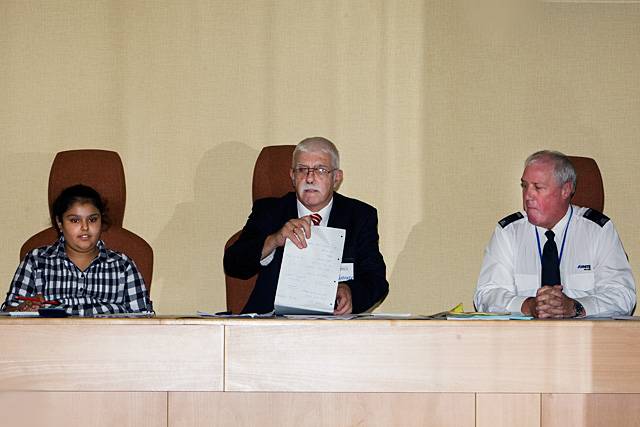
pixel 292 207
pixel 290 211
pixel 338 217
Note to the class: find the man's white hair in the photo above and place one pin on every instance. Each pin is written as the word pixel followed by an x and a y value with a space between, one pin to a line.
pixel 563 170
pixel 317 144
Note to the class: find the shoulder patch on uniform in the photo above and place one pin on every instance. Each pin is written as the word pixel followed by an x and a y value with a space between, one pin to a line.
pixel 509 219
pixel 597 217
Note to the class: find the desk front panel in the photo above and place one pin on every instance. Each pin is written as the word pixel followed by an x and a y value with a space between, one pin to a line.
pixel 83 409
pixel 274 372
pixel 433 356
pixel 322 409
pixel 92 356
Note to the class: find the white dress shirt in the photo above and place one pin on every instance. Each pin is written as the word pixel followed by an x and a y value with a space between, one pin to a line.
pixel 594 269
pixel 302 211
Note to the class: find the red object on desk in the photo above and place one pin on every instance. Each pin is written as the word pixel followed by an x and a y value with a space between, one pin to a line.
pixel 33 299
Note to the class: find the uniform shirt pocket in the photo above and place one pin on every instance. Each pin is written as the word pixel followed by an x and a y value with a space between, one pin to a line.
pixel 583 281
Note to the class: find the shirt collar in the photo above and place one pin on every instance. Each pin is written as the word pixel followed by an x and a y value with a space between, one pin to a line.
pixel 557 229
pixel 324 212
pixel 56 250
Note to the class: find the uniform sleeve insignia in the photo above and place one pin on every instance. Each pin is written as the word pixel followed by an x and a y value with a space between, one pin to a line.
pixel 509 219
pixel 597 217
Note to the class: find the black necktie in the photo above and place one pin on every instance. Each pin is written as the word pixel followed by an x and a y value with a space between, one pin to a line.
pixel 550 262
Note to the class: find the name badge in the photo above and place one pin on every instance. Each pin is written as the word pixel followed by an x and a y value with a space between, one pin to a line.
pixel 346 272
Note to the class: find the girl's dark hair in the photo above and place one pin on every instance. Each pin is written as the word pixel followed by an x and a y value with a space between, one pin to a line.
pixel 78 193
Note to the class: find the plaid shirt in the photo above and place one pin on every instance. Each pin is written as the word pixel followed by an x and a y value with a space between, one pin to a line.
pixel 111 283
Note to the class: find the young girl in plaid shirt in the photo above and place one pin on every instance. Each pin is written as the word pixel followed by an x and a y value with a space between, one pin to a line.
pixel 78 273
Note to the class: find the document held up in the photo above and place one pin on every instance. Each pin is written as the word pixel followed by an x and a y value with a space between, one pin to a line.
pixel 308 278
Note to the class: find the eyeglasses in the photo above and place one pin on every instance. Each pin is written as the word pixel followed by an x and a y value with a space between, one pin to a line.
pixel 319 171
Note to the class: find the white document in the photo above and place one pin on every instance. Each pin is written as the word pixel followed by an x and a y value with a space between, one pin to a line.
pixel 308 279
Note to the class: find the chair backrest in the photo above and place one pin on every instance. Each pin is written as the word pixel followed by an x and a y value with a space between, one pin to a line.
pixel 270 179
pixel 102 170
pixel 590 189
pixel 99 169
pixel 271 172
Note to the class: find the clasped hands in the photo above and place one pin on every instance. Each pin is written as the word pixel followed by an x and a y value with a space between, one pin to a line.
pixel 298 230
pixel 549 303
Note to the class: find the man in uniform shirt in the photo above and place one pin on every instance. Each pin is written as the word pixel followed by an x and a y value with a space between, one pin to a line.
pixel 555 260
pixel 315 175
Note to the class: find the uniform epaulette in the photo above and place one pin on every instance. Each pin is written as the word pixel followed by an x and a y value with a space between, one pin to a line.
pixel 597 217
pixel 509 219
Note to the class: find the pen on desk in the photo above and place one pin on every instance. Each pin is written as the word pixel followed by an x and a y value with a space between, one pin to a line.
pixel 33 299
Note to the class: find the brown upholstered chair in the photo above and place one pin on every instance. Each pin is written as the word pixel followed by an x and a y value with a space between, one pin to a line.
pixel 270 179
pixel 103 171
pixel 590 189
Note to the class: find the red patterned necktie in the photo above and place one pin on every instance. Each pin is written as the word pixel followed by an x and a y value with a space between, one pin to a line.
pixel 316 218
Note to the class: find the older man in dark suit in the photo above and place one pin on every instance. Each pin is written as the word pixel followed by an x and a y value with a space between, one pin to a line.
pixel 316 175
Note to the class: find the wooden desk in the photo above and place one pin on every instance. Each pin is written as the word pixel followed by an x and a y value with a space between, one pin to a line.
pixel 192 372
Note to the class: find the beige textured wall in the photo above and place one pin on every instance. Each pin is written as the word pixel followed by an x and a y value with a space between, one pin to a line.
pixel 434 105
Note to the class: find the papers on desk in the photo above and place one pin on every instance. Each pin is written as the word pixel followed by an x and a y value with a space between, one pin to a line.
pixel 361 316
pixel 458 313
pixel 487 316
pixel 319 317
pixel 228 315
pixel 123 315
pixel 309 277
pixel 20 313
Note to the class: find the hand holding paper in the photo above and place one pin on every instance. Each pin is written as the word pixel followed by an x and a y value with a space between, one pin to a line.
pixel 296 230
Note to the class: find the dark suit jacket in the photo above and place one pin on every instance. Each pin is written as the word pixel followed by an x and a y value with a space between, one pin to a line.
pixel 242 259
